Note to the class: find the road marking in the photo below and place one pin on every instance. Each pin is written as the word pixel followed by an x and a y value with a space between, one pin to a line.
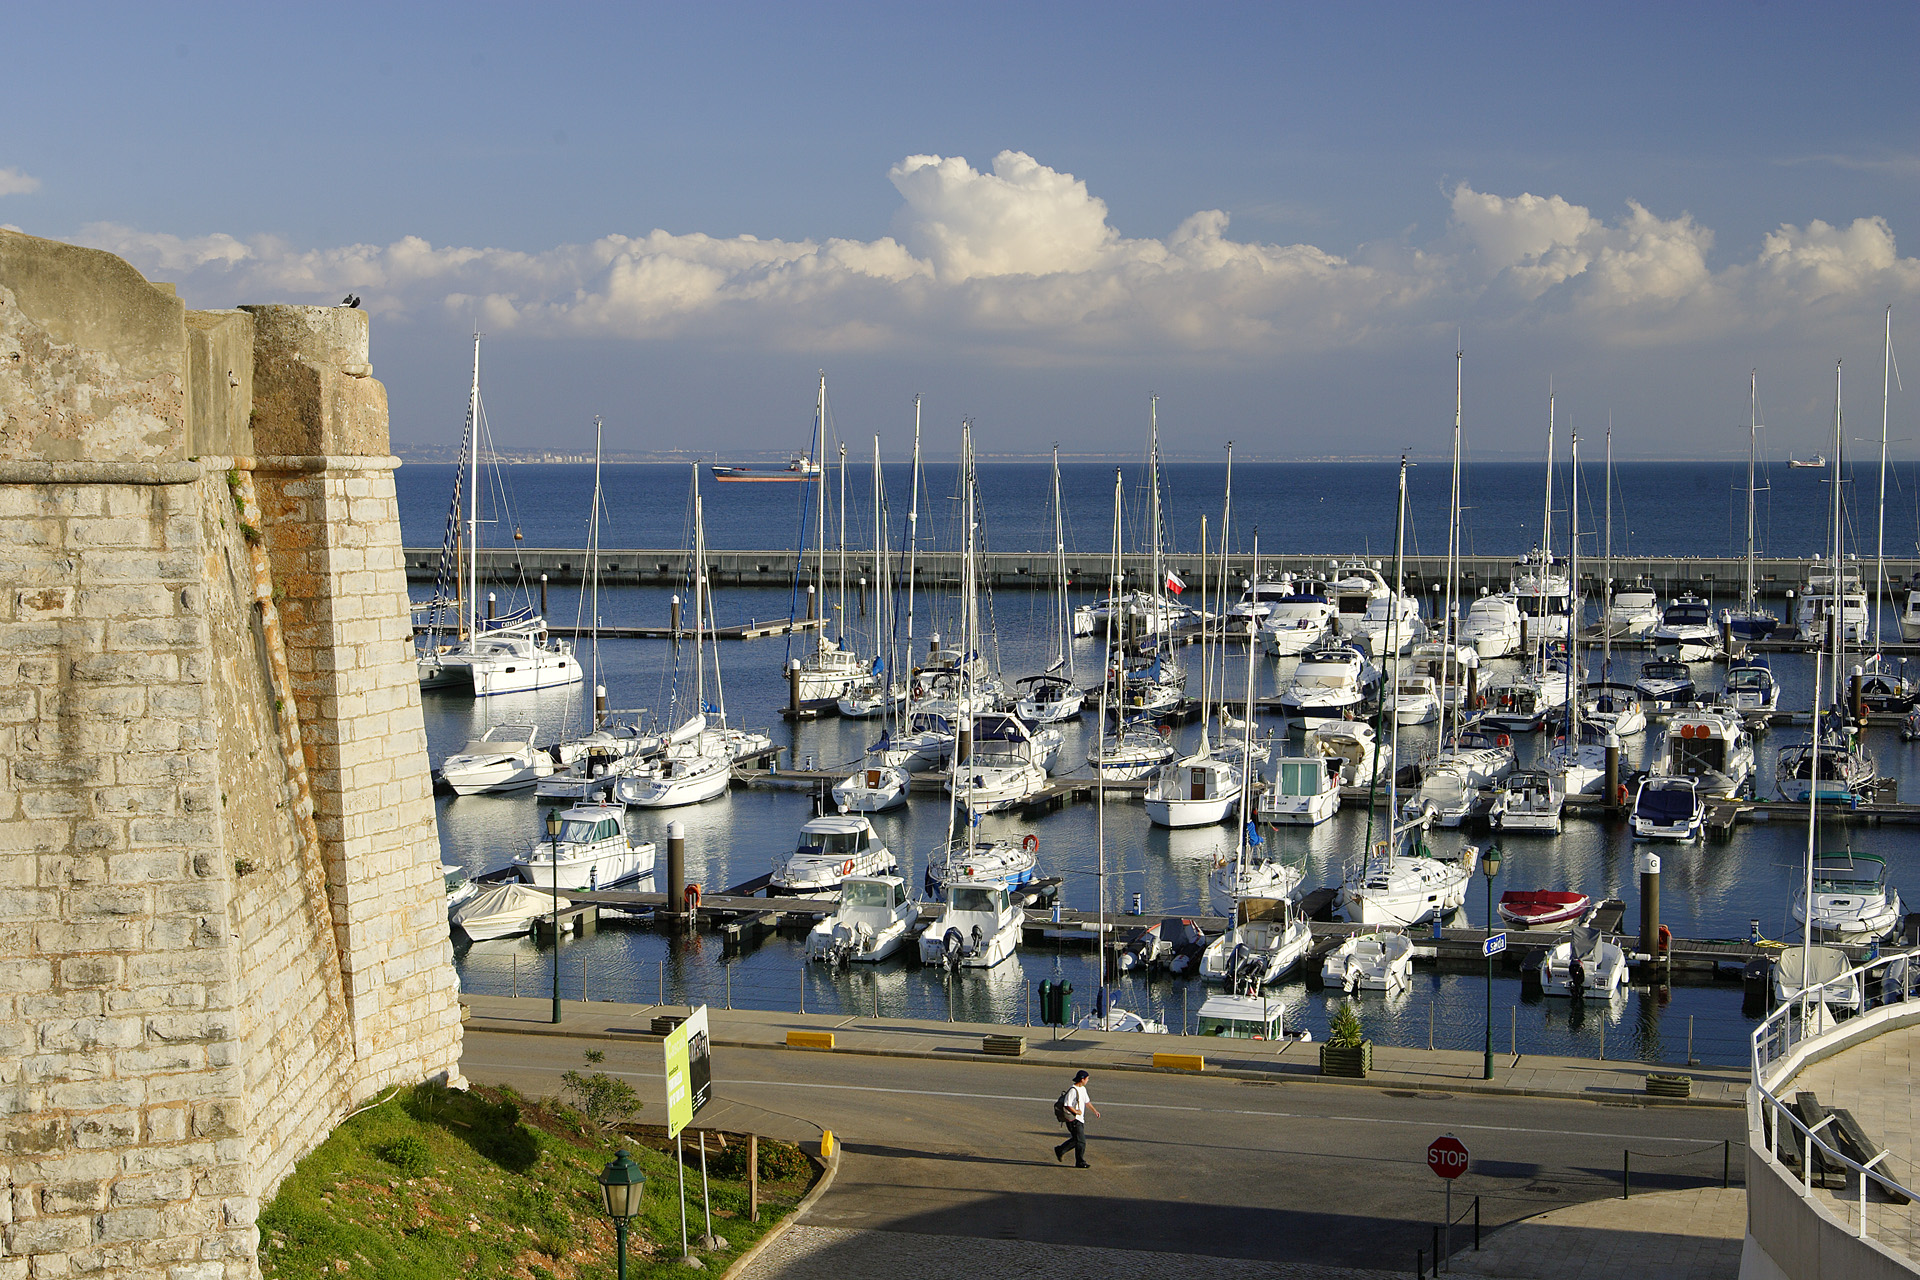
pixel 1135 1106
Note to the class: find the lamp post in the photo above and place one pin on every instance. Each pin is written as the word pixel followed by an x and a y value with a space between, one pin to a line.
pixel 553 870
pixel 621 1185
pixel 1489 867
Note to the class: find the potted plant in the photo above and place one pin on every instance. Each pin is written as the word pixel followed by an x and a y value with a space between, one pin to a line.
pixel 1347 1051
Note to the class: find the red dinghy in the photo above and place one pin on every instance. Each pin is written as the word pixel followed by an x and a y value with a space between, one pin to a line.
pixel 1529 907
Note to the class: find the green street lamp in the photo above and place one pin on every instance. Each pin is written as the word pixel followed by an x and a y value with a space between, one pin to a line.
pixel 621 1185
pixel 1490 867
pixel 553 844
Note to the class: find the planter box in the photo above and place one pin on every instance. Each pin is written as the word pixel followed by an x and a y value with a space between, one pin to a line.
pixel 1669 1086
pixel 1354 1063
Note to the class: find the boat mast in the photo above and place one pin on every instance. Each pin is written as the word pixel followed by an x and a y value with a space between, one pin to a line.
pixel 1061 618
pixel 1576 679
pixel 1447 674
pixel 1158 593
pixel 913 548
pixel 1813 827
pixel 841 621
pixel 1838 610
pixel 882 593
pixel 1546 545
pixel 593 567
pixel 1880 553
pixel 1753 448
pixel 699 600
pixel 1206 652
pixel 1110 659
pixel 473 498
pixel 1246 745
pixel 1606 573
pixel 1220 596
pixel 1393 678
pixel 820 515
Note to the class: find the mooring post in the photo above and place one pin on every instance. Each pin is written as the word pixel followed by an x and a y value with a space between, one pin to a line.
pixel 1613 768
pixel 1649 908
pixel 673 616
pixel 793 688
pixel 543 596
pixel 812 597
pixel 676 868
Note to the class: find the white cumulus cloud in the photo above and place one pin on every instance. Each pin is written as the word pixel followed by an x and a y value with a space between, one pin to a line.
pixel 1022 264
pixel 15 183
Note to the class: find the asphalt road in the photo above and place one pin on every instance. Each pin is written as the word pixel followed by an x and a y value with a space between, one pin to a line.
pixel 1332 1174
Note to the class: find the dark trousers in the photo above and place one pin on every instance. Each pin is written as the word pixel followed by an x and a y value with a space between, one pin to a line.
pixel 1076 1139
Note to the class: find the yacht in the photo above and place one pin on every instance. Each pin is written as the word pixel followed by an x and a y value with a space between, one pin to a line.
pixel 1409 887
pixel 1614 707
pixel 592 851
pixel 1331 679
pixel 1521 703
pixel 1303 790
pixel 1529 800
pixel 1851 898
pixel 1581 766
pixel 1356 585
pixel 1050 699
pixel 1632 614
pixel 1241 879
pixel 1007 765
pixel 460 886
pixel 1666 683
pixel 504 758
pixel 1667 808
pixel 1493 626
pixel 1910 618
pixel 926 744
pixel 980 928
pixel 1350 744
pixel 1587 966
pixel 503 910
pixel 1541 591
pixel 1415 698
pixel 1257 600
pixel 1687 630
pixel 1882 693
pixel 983 862
pixel 1298 620
pixel 831 848
pixel 512 654
pixel 1398 617
pixel 1819 601
pixel 1751 689
pixel 1446 665
pixel 1381 961
pixel 1710 746
pixel 1840 771
pixel 1194 791
pixel 690 773
pixel 873 789
pixel 1133 753
pixel 593 762
pixel 1266 942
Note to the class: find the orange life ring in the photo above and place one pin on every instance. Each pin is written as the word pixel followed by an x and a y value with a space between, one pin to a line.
pixel 1666 939
pixel 692 897
pixel 1166 731
pixel 846 868
pixel 1031 842
pixel 1620 795
pixel 1504 740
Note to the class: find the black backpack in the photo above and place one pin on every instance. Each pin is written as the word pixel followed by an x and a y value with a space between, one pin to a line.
pixel 1060 1111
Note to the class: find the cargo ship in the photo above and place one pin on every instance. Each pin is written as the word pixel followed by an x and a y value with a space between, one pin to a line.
pixel 796 470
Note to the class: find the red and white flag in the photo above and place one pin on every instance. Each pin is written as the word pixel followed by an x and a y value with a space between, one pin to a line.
pixel 1174 582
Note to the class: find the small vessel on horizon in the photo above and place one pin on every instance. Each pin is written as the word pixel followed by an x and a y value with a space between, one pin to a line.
pixel 1815 462
pixel 799 468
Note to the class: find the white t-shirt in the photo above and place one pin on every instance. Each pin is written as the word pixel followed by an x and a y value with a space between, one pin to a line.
pixel 1077 1102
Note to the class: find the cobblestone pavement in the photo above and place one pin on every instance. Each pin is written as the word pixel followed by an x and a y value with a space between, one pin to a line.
pixel 839 1253
pixel 1668 1235
pixel 1875 1081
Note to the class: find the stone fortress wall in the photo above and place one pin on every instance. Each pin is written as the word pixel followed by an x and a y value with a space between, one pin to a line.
pixel 222 922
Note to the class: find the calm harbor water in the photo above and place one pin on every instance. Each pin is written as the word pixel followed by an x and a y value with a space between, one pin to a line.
pixel 1711 890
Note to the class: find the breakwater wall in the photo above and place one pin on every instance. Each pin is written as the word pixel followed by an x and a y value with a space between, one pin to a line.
pixel 1720 579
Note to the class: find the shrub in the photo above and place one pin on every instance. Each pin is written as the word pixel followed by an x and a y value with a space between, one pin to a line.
pixel 407 1153
pixel 1343 1028
pixel 602 1098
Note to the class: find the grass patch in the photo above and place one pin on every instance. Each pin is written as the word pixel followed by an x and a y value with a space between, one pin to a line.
pixel 437 1185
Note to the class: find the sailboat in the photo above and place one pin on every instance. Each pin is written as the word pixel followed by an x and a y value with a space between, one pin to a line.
pixel 875 692
pixel 1578 760
pixel 1201 789
pixel 698 764
pixel 1053 698
pixel 1750 622
pixel 882 781
pixel 1833 763
pixel 1399 882
pixel 1609 705
pixel 1131 749
pixel 493 656
pixel 1818 977
pixel 831 671
pixel 1249 876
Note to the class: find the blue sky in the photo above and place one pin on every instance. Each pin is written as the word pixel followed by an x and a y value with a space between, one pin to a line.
pixel 1012 210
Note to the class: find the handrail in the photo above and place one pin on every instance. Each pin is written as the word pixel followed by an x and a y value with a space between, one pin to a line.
pixel 1773 1041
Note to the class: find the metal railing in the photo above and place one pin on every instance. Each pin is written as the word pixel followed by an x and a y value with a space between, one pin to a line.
pixel 1882 981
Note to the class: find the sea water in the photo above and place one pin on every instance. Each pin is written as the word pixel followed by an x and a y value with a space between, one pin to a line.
pixel 1708 890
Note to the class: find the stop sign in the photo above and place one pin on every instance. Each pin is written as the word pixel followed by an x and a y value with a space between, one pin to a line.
pixel 1447 1156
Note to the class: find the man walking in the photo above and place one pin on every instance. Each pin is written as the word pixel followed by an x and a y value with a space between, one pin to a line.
pixel 1076 1104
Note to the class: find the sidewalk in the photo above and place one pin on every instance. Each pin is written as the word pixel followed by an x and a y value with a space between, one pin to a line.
pixel 1669 1235
pixel 1441 1070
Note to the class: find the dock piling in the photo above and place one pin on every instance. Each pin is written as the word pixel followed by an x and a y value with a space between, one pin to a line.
pixel 676 868
pixel 1650 906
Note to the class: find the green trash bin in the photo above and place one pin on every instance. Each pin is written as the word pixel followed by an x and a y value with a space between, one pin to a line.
pixel 1056 1002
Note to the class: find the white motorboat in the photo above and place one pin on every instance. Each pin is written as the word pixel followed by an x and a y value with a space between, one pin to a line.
pixel 460 886
pixel 1614 707
pixel 1298 620
pixel 1910 617
pixel 592 851
pixel 1667 808
pixel 503 910
pixel 874 789
pixel 1395 616
pixel 1235 880
pixel 686 775
pixel 1050 700
pixel 874 917
pixel 1005 767
pixel 504 758
pixel 1851 898
pixel 1003 862
pixel 868 700
pixel 1522 702
pixel 1353 745
pixel 1687 630
pixel 1194 791
pixel 1330 680
pixel 1585 967
pixel 1264 944
pixel 1258 599
pixel 1709 745
pixel 1821 974
pixel 1581 765
pixel 1302 791
pixel 1841 770
pixel 1246 1018
pixel 1107 1015
pixel 926 744
pixel 980 928
pixel 1632 614
pixel 1541 591
pixel 1751 689
pixel 593 762
pixel 1415 699
pixel 1492 628
pixel 1666 682
pixel 1819 601
pixel 1529 800
pixel 1379 961
pixel 830 849
pixel 1446 798
pixel 1446 665
pixel 1356 585
pixel 1135 753
pixel 1408 887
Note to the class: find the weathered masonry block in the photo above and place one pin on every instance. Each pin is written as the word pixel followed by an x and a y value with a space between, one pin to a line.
pixel 221 916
